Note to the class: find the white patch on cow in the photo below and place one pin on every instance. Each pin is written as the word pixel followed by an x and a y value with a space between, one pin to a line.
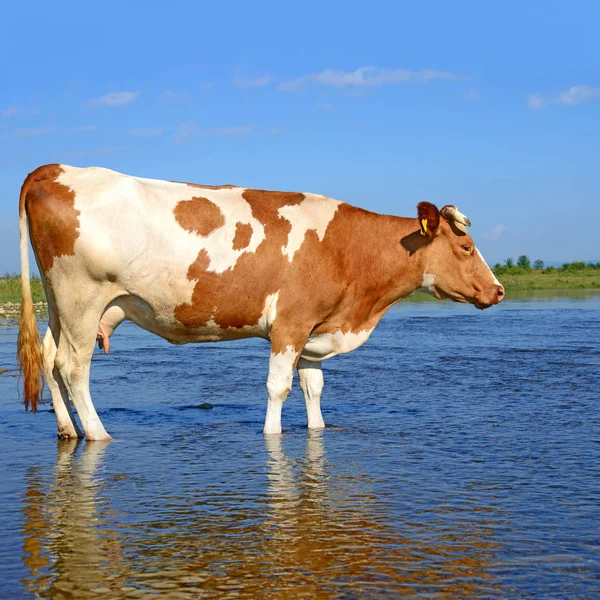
pixel 279 383
pixel 314 212
pixel 141 211
pixel 488 266
pixel 326 345
pixel 268 316
pixel 127 229
pixel 310 377
pixel 427 284
pixel 281 365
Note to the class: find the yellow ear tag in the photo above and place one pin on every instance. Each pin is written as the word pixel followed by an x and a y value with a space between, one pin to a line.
pixel 423 226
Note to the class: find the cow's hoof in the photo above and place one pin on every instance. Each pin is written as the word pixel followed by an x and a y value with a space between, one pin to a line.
pixel 105 438
pixel 68 435
pixel 274 431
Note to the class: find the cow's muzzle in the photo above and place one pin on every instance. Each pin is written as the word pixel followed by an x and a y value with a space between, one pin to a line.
pixel 496 296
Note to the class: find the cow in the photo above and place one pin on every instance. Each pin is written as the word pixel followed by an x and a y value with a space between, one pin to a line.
pixel 199 263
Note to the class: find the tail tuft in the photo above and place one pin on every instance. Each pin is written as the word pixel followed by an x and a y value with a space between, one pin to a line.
pixel 29 349
pixel 29 354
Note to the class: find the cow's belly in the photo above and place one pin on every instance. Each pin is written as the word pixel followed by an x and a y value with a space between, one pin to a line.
pixel 326 345
pixel 158 318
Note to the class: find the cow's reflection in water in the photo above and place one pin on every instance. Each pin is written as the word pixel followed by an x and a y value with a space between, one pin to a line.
pixel 327 538
pixel 69 550
pixel 309 534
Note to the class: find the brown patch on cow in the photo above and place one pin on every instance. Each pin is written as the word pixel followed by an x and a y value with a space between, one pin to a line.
pixel 199 266
pixel 53 219
pixel 199 215
pixel 243 234
pixel 196 316
pixel 236 298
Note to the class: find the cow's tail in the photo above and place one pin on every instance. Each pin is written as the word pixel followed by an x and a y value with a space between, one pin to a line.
pixel 29 348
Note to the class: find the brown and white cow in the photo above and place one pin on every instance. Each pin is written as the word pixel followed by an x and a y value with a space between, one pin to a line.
pixel 195 263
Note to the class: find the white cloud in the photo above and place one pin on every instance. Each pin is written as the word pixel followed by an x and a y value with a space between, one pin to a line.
pixel 51 130
pixel 323 107
pixel 36 131
pixel 190 129
pixel 13 111
pixel 470 94
pixel 363 76
pixel 114 99
pixel 578 94
pixel 495 234
pixel 173 96
pixel 185 131
pixel 244 82
pixel 240 130
pixel 536 101
pixel 148 131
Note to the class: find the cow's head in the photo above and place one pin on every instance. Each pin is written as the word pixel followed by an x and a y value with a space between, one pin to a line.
pixel 453 267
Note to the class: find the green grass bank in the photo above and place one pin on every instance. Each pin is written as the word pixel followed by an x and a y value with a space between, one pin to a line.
pixel 516 279
pixel 10 289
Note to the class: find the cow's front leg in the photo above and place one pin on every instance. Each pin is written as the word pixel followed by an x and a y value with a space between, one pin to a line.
pixel 279 384
pixel 310 375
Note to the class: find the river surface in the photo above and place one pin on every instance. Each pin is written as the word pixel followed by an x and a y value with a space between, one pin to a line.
pixel 461 459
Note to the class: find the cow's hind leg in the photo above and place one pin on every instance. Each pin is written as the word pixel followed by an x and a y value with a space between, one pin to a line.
pixel 67 426
pixel 73 358
pixel 310 375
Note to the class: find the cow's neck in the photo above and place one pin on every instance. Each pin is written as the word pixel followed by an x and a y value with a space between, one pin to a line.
pixel 386 260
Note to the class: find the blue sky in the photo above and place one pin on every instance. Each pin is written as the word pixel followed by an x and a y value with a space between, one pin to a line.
pixel 492 106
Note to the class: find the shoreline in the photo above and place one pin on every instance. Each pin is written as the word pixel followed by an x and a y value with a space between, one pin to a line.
pixel 9 310
pixel 514 280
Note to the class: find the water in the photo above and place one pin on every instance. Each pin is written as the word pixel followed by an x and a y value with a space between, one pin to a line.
pixel 462 460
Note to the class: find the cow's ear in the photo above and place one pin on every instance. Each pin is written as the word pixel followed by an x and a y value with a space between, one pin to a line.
pixel 429 218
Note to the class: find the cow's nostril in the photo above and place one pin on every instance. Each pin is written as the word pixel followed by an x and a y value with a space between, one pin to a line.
pixel 500 292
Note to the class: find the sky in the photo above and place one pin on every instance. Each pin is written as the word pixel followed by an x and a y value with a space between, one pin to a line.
pixel 491 106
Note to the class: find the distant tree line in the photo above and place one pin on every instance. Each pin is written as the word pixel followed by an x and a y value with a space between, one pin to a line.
pixel 524 264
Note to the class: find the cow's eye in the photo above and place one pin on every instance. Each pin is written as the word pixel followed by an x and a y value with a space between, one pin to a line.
pixel 466 249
